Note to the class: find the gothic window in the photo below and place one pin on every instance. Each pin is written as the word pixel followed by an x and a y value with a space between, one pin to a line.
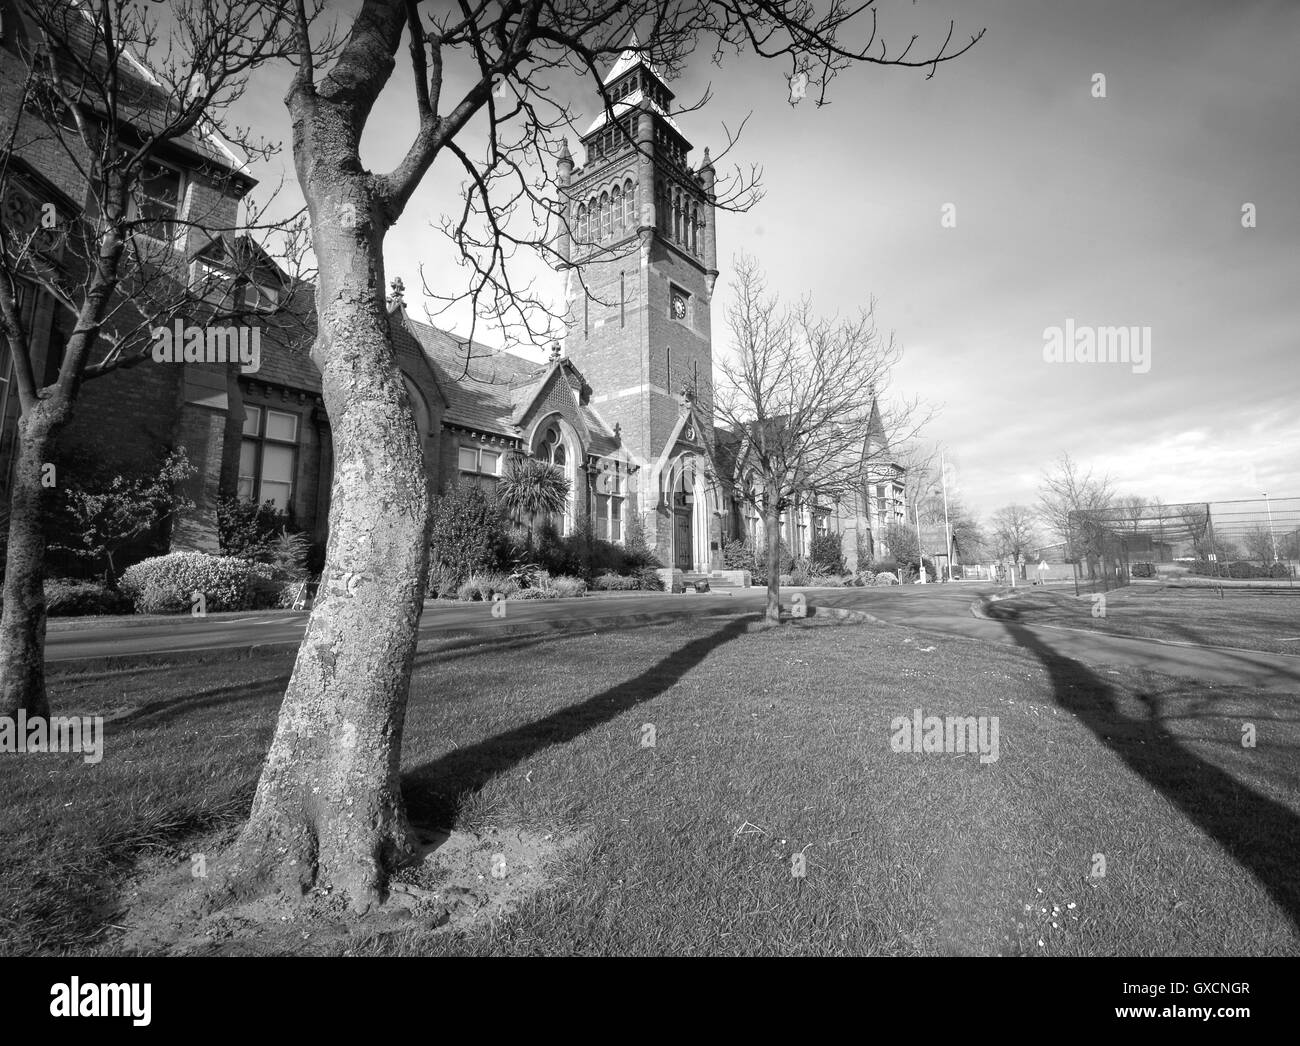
pixel 677 216
pixel 552 450
pixel 630 217
pixel 604 215
pixel 616 205
pixel 582 222
pixel 695 222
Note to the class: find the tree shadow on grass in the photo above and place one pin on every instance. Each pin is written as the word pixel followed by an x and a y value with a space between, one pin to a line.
pixel 1260 834
pixel 435 790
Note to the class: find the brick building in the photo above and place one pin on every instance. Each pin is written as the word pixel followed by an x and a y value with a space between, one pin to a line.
pixel 625 409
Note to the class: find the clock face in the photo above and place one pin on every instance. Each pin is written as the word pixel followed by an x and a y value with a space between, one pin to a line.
pixel 679 306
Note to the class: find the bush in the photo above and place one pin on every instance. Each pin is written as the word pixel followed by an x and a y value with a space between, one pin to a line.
pixel 165 584
pixel 442 582
pixel 616 583
pixel 566 587
pixel 485 586
pixel 1142 570
pixel 738 555
pixel 885 578
pixel 863 578
pixel 800 573
pixel 68 598
pixel 468 533
pixel 827 554
pixel 248 530
pixel 886 566
pixel 647 580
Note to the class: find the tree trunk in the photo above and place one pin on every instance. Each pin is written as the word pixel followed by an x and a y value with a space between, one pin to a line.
pixel 772 522
pixel 22 628
pixel 328 810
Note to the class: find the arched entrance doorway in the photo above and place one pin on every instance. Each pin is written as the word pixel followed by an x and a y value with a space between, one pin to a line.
pixel 687 498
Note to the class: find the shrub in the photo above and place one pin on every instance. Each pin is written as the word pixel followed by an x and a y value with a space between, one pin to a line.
pixel 827 554
pixel 566 587
pixel 885 578
pixel 886 566
pixel 833 581
pixel 738 555
pixel 248 530
pixel 442 582
pixel 647 580
pixel 68 598
pixel 1143 570
pixel 863 578
pixel 468 533
pixel 485 586
pixel 165 584
pixel 639 554
pixel 616 583
pixel 800 573
pixel 534 593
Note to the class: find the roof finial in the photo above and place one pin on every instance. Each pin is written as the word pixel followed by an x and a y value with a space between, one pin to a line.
pixel 398 288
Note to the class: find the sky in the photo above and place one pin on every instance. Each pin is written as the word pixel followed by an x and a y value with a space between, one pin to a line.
pixel 1061 207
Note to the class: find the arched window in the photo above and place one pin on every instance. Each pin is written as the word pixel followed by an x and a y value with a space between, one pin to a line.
pixel 604 215
pixel 616 205
pixel 677 215
pixel 551 449
pixel 695 228
pixel 630 218
pixel 582 223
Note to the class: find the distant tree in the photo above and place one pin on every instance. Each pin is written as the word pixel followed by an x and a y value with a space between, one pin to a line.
pixel 802 391
pixel 1069 498
pixel 901 542
pixel 1259 543
pixel 1014 531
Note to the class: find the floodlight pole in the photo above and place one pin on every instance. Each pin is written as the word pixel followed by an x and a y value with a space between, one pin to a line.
pixel 1272 537
pixel 943 484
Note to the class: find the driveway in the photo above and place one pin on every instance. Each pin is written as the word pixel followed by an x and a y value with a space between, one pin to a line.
pixel 939 608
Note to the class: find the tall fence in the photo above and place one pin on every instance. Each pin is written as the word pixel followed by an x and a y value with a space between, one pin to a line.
pixel 1242 539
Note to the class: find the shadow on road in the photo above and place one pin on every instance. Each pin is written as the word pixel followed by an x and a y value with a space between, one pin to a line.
pixel 435 790
pixel 1260 834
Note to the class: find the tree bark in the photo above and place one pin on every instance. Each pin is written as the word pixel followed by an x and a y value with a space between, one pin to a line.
pixel 772 523
pixel 328 810
pixel 22 627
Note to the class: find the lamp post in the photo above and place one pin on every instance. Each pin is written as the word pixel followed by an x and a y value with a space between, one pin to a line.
pixel 947 530
pixel 1272 537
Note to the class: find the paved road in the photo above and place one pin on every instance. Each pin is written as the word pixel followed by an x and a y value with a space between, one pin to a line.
pixel 938 608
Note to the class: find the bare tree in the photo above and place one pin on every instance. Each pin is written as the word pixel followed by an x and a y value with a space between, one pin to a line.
pixel 84 98
pixel 328 810
pixel 1259 543
pixel 800 392
pixel 1068 495
pixel 1014 531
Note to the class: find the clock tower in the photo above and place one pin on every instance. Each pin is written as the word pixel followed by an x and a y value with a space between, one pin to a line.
pixel 642 262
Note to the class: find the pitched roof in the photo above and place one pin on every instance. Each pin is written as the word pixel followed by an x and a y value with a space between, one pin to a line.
pixel 477 382
pixel 143 101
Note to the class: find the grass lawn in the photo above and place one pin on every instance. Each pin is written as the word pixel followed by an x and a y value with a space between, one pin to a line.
pixel 1253 620
pixel 766 745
